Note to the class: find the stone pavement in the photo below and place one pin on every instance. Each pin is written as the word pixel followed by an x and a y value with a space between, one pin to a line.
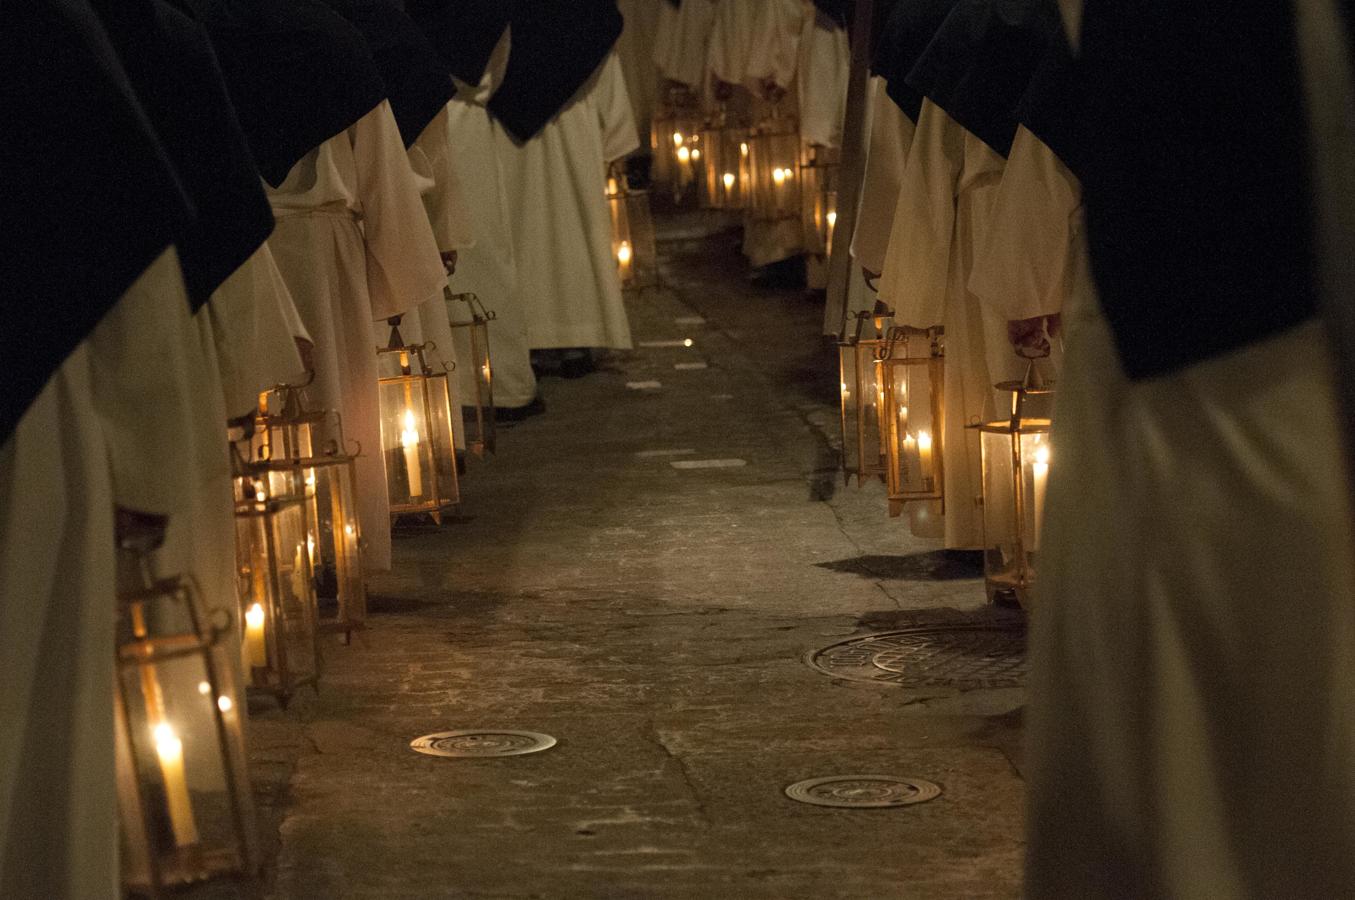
pixel 655 620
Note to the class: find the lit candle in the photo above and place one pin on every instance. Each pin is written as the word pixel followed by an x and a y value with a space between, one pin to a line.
pixel 779 176
pixel 696 153
pixel 485 373
pixel 903 419
pixel 832 223
pixel 845 393
pixel 256 646
pixel 924 453
pixel 611 187
pixel 1040 470
pixel 909 455
pixel 743 149
pixel 170 750
pixel 677 139
pixel 409 439
pixel 729 181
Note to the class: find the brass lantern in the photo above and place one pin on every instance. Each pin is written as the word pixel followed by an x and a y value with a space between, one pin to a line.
pixel 818 196
pixel 280 648
pixel 912 367
pixel 303 452
pixel 774 160
pixel 1016 453
pixel 470 318
pixel 183 789
pixel 416 430
pixel 634 245
pixel 676 142
pixel 864 441
pixel 726 156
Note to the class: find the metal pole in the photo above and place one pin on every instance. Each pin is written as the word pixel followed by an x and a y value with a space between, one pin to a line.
pixel 855 142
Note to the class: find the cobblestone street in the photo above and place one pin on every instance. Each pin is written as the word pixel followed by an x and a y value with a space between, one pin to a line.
pixel 641 573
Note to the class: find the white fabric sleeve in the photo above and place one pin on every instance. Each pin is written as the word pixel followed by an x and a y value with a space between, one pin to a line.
pixel 922 237
pixel 891 134
pixel 616 117
pixel 1024 267
pixel 444 197
pixel 404 267
pixel 824 66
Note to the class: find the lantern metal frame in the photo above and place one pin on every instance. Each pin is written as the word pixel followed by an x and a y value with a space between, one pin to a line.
pixel 264 495
pixel 634 243
pixel 476 327
pixel 1010 565
pixel 861 398
pixel 727 173
pixel 905 482
pixel 439 461
pixel 774 160
pixel 308 446
pixel 145 644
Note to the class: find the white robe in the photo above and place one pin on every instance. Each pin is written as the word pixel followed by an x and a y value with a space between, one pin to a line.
pixel 824 65
pixel 354 244
pixel 943 209
pixel 58 805
pixel 557 198
pixel 1190 733
pixel 681 41
pixel 488 267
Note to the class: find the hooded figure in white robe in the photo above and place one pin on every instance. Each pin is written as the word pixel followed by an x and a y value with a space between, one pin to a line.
pixel 1193 651
pixel 82 231
pixel 472 36
pixel 945 202
pixel 554 150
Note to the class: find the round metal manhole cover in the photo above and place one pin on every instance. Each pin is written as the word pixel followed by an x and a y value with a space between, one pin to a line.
pixel 863 791
pixel 479 743
pixel 959 658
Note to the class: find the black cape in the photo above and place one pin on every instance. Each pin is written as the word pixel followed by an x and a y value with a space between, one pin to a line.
pixel 1195 178
pixel 416 79
pixel 557 46
pixel 463 32
pixel 298 74
pixel 838 11
pixel 91 199
pixel 1051 108
pixel 981 60
pixel 907 31
pixel 160 46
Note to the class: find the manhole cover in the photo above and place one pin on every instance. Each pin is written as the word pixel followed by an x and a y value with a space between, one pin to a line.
pixel 949 656
pixel 863 791
pixel 482 743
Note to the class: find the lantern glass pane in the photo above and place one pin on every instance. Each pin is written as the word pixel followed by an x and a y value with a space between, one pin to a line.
pixel 184 806
pixel 818 194
pixel 914 408
pixel 406 443
pixel 774 151
pixel 1003 554
pixel 874 437
pixel 726 172
pixel 850 394
pixel 277 595
pixel 440 426
pixel 334 545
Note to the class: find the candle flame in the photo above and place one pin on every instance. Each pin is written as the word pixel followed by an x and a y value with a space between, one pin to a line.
pixel 204 688
pixel 779 176
pixel 832 217
pixel 410 436
pixel 348 530
pixel 1042 455
pixel 696 154
pixel 223 703
pixel 684 154
pixel 729 180
pixel 254 616
pixel 924 440
pixel 677 139
pixel 623 253
pixel 166 741
pixel 743 149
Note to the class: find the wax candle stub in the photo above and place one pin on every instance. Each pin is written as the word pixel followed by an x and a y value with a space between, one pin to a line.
pixel 255 643
pixel 409 440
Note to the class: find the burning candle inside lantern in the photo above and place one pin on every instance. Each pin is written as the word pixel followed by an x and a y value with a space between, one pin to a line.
pixel 623 256
pixel 743 148
pixel 779 176
pixel 170 750
pixel 409 440
pixel 729 181
pixel 677 139
pixel 256 649
pixel 832 223
pixel 924 452
pixel 684 155
pixel 1040 471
